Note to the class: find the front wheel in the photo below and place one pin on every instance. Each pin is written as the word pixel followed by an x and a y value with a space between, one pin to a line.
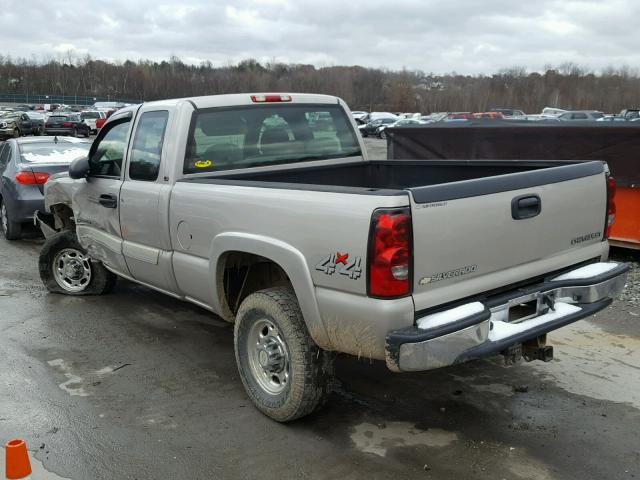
pixel 382 135
pixel 284 373
pixel 66 268
pixel 16 133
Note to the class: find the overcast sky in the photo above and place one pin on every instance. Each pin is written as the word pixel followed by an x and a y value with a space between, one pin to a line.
pixel 466 36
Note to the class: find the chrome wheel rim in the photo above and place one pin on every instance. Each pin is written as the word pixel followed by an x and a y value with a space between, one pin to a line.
pixel 268 357
pixel 5 218
pixel 72 270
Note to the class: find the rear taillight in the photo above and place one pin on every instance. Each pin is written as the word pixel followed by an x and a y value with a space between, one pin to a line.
pixel 611 206
pixel 389 260
pixel 270 98
pixel 32 178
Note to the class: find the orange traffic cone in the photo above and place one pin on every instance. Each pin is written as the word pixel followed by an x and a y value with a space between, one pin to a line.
pixel 18 465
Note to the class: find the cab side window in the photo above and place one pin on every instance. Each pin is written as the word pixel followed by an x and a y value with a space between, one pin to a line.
pixel 147 146
pixel 106 157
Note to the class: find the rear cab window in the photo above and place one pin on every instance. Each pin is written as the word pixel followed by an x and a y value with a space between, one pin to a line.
pixel 261 135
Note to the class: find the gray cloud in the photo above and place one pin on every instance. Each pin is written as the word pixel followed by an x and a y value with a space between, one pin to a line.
pixel 467 36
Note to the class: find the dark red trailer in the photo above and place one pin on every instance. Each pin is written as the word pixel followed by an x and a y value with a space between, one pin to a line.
pixel 617 144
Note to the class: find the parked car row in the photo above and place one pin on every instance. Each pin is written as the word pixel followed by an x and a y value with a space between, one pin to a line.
pixel 33 119
pixel 19 124
pixel 373 123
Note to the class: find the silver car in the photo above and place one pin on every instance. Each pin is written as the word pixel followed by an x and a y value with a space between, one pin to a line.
pixel 581 116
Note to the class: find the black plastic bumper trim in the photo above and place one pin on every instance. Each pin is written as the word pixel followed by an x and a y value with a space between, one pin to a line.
pixel 397 338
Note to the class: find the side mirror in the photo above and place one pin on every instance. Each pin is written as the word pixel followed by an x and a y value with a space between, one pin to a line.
pixel 79 168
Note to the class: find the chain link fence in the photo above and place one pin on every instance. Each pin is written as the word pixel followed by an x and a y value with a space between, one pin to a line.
pixel 37 99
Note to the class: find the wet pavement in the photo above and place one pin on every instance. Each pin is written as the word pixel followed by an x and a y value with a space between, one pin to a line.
pixel 136 385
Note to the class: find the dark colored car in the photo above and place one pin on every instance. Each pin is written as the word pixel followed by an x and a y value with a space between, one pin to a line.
pixel 37 120
pixel 69 124
pixel 25 108
pixel 371 127
pixel 25 166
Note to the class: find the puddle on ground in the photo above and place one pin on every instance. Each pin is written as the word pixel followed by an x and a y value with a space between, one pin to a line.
pixel 371 438
pixel 592 362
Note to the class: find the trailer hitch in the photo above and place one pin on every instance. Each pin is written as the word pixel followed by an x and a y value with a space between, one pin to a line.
pixel 537 349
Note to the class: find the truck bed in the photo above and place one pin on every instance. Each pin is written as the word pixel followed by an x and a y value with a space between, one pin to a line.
pixel 470 232
pixel 387 177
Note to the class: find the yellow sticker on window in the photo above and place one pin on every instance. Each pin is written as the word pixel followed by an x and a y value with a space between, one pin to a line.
pixel 203 163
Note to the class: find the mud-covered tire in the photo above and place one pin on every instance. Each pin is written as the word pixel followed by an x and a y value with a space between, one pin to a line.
pixel 101 280
pixel 309 368
pixel 10 229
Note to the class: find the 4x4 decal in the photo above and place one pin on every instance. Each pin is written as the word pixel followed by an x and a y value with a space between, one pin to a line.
pixel 341 263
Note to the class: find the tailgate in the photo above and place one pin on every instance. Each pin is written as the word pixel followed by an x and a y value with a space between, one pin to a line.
pixel 477 235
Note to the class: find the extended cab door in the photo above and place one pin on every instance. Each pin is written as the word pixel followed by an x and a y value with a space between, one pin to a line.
pixel 96 200
pixel 144 210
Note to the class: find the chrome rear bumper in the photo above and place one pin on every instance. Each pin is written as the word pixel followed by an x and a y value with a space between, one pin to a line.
pixel 493 324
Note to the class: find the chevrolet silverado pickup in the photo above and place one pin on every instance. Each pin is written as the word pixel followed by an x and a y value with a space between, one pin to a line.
pixel 265 210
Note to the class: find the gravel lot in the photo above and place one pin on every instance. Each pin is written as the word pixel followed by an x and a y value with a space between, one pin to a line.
pixel 137 385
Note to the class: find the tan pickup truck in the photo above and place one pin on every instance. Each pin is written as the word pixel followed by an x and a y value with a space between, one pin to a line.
pixel 265 210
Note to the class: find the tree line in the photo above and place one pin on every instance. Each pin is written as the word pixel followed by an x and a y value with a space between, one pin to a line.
pixel 567 86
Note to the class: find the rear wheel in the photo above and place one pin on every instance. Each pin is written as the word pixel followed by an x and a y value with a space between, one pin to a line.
pixel 10 229
pixel 74 132
pixel 382 135
pixel 66 268
pixel 284 373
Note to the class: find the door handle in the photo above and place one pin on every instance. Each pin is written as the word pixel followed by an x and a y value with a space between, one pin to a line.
pixel 108 200
pixel 525 206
